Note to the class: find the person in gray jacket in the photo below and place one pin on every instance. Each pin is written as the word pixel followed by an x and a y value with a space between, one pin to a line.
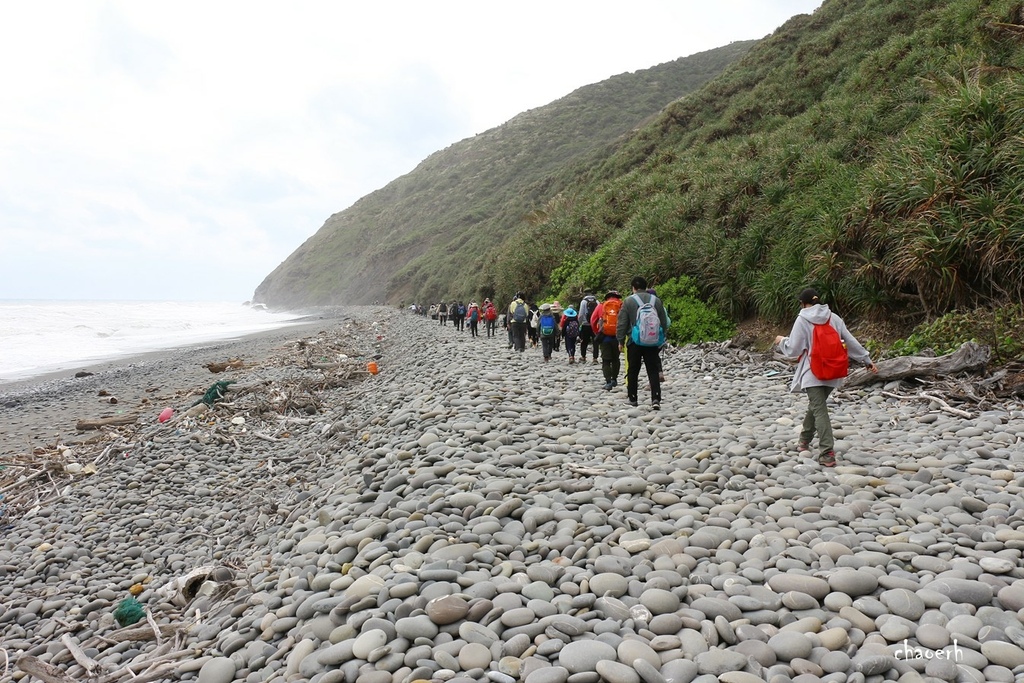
pixel 797 346
pixel 637 353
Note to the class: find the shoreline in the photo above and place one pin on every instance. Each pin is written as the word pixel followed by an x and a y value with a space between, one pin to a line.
pixel 39 411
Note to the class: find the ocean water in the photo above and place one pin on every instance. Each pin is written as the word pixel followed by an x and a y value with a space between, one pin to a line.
pixel 37 337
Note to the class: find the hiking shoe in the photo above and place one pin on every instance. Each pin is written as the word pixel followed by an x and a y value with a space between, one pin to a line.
pixel 607 386
pixel 596 361
pixel 803 447
pixel 661 376
pixel 656 405
pixel 827 459
pixel 633 402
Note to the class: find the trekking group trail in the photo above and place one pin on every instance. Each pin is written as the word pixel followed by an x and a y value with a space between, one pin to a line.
pixel 473 514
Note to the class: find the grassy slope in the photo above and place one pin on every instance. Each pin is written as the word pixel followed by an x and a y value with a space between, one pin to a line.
pixel 873 150
pixel 428 234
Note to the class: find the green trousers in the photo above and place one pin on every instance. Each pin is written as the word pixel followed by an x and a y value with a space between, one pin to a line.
pixel 817 420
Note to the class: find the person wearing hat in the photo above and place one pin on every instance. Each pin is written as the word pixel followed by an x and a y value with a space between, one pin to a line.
pixel 490 315
pixel 556 309
pixel 473 318
pixel 518 313
pixel 547 330
pixel 570 328
pixel 797 346
pixel 604 320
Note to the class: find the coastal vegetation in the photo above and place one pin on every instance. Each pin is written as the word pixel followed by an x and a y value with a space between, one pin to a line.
pixel 872 149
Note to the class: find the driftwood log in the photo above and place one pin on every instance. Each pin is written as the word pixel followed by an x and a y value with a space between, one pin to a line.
pixel 100 423
pixel 970 357
pixel 43 671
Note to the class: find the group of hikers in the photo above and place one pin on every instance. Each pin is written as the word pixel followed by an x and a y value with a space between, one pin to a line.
pixel 463 316
pixel 599 328
pixel 819 344
pixel 603 329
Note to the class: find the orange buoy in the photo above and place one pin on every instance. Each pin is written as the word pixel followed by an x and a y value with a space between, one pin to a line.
pixel 372 367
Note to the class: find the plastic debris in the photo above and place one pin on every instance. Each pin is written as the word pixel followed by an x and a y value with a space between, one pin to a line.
pixel 129 611
pixel 214 393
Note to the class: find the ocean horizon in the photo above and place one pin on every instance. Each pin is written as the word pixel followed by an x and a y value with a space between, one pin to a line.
pixel 38 336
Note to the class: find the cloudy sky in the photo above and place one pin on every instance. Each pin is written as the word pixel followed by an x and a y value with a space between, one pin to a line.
pixel 182 150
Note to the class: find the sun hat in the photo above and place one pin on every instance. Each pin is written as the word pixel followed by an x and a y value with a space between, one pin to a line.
pixel 545 307
pixel 613 293
pixel 571 312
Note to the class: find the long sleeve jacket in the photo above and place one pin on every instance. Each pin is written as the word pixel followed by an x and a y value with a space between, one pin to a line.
pixel 797 346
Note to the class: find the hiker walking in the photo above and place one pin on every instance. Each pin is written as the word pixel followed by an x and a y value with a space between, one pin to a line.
pixel 535 323
pixel 641 332
pixel 473 316
pixel 556 310
pixel 570 329
pixel 518 320
pixel 442 313
pixel 821 366
pixel 547 330
pixel 604 320
pixel 490 318
pixel 587 338
pixel 458 313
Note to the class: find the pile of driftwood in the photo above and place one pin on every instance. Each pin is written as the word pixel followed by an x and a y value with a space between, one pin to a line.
pixel 213 581
pixel 30 481
pixel 261 409
pixel 158 665
pixel 951 382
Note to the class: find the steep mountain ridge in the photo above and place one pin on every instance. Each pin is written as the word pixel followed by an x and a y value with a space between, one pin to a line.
pixel 418 236
pixel 872 149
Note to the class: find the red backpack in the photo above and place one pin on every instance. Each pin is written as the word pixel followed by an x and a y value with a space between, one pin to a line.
pixel 609 317
pixel 829 358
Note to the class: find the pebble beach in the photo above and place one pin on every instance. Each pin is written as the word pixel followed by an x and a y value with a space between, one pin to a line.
pixel 474 514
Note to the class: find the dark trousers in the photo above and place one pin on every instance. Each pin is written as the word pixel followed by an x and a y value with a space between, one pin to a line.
pixel 518 331
pixel 547 343
pixel 472 327
pixel 648 355
pixel 610 362
pixel 586 339
pixel 492 327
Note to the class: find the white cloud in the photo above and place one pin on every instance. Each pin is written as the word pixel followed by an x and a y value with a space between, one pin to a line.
pixel 181 150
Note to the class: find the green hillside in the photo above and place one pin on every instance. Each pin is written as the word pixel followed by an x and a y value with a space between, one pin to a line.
pixel 428 234
pixel 874 150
